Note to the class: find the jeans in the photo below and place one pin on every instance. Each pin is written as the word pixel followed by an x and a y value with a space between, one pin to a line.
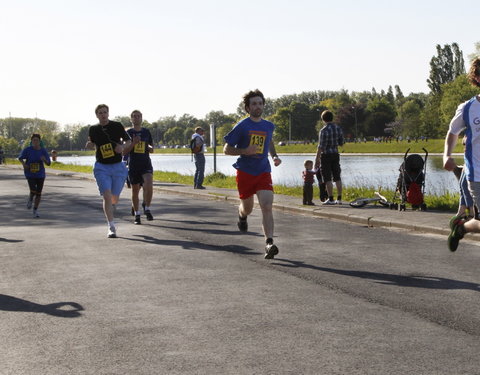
pixel 200 169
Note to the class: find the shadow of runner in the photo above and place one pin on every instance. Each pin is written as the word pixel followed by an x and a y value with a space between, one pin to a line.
pixel 411 281
pixel 9 303
pixel 189 245
pixel 7 240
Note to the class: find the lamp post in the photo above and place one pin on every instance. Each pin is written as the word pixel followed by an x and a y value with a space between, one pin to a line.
pixel 356 128
pixel 289 128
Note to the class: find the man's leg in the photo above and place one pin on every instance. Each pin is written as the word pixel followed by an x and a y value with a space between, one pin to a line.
pixel 147 189
pixel 135 200
pixel 265 200
pixel 339 186
pixel 147 194
pixel 107 205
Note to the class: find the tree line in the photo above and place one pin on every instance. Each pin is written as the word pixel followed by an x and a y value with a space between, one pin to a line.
pixel 297 116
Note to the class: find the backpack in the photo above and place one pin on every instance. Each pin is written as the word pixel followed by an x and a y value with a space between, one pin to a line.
pixel 194 147
pixel 414 194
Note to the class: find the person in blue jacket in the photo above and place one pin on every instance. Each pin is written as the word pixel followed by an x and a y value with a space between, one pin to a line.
pixel 33 159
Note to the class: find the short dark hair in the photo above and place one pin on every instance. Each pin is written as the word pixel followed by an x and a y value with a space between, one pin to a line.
pixel 100 106
pixel 327 116
pixel 474 72
pixel 249 95
pixel 135 111
pixel 35 135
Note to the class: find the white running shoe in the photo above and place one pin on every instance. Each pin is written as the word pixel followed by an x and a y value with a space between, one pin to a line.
pixel 112 232
pixel 328 202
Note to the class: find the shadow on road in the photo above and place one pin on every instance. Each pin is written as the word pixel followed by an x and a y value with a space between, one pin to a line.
pixel 9 303
pixel 411 281
pixel 189 245
pixel 8 240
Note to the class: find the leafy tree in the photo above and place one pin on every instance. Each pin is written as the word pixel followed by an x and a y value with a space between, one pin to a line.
pixel 379 113
pixel 175 136
pixel 431 126
pixel 454 93
pixel 445 67
pixel 410 117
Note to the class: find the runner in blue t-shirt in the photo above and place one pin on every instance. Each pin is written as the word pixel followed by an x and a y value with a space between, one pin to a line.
pixel 252 139
pixel 140 170
pixel 33 159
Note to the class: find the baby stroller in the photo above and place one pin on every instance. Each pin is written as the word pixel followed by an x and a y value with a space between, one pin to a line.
pixel 411 182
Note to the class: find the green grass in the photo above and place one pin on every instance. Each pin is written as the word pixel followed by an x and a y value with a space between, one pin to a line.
pixel 432 146
pixel 446 202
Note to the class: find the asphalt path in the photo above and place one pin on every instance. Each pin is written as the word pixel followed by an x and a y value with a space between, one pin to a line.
pixel 188 294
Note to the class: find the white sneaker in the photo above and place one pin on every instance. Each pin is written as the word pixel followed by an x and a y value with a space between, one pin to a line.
pixel 338 202
pixel 328 202
pixel 112 232
pixel 35 214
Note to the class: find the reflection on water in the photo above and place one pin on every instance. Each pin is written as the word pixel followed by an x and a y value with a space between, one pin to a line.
pixel 363 170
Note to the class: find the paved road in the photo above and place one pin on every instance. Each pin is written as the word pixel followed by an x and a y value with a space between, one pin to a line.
pixel 188 294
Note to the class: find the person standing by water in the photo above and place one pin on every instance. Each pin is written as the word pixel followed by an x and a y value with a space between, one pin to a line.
pixel 140 170
pixel 198 149
pixel 33 159
pixel 110 140
pixel 251 140
pixel 308 175
pixel 466 118
pixel 328 158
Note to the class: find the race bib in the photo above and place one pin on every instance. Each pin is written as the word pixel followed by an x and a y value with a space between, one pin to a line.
pixel 139 148
pixel 34 167
pixel 107 151
pixel 258 139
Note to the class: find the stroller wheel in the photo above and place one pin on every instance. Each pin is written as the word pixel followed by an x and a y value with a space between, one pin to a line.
pixel 423 207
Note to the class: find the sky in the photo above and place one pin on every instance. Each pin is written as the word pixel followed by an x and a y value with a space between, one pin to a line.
pixel 61 58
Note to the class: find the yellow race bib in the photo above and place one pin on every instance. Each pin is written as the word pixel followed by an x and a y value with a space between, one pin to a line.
pixel 258 138
pixel 107 151
pixel 139 148
pixel 34 167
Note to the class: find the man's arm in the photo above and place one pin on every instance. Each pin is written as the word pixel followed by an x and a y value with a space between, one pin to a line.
pixel 276 160
pixel 450 142
pixel 230 150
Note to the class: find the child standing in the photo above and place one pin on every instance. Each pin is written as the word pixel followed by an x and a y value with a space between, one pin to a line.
pixel 308 175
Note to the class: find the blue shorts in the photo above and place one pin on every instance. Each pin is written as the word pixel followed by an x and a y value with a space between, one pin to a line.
pixel 110 177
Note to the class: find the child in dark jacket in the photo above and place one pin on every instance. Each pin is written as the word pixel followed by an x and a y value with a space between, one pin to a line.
pixel 308 176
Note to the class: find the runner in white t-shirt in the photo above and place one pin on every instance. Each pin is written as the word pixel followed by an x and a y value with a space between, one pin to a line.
pixel 467 117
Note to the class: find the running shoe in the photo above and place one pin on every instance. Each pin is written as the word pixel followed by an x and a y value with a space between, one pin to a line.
pixel 149 215
pixel 29 204
pixel 35 213
pixel 137 220
pixel 456 234
pixel 328 202
pixel 112 233
pixel 270 251
pixel 242 224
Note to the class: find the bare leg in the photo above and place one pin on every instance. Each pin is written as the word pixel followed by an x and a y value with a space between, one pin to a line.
pixel 339 187
pixel 135 200
pixel 329 186
pixel 38 197
pixel 107 205
pixel 246 207
pixel 147 189
pixel 265 199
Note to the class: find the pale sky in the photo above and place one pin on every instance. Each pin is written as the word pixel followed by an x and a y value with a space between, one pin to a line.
pixel 61 58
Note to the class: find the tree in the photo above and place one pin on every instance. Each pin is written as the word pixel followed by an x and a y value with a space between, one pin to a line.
pixel 454 93
pixel 175 136
pixel 410 118
pixel 379 113
pixel 445 67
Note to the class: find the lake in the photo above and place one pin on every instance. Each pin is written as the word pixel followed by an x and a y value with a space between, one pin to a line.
pixel 378 171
